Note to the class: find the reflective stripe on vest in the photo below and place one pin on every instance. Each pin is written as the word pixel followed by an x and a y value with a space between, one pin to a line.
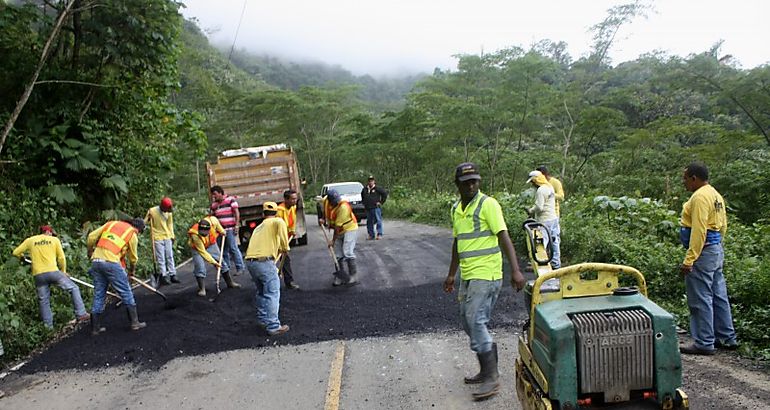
pixel 332 213
pixel 476 233
pixel 207 240
pixel 115 236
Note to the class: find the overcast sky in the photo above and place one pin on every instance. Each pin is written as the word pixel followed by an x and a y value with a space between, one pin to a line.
pixel 390 37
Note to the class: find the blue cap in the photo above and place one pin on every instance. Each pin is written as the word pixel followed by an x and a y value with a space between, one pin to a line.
pixel 333 196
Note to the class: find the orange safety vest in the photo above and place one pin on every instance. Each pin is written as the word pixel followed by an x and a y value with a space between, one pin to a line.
pixel 207 240
pixel 331 212
pixel 115 237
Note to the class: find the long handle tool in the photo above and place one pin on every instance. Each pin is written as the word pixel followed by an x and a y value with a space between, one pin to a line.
pixel 341 274
pixel 219 269
pixel 88 285
pixel 148 287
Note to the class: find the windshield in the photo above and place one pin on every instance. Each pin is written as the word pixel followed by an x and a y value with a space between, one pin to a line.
pixel 348 189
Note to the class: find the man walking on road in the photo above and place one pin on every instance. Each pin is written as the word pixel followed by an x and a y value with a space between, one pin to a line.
pixel 161 221
pixel 49 267
pixel 704 225
pixel 225 208
pixel 479 232
pixel 108 247
pixel 339 216
pixel 287 210
pixel 268 241
pixel 544 211
pixel 373 196
pixel 202 238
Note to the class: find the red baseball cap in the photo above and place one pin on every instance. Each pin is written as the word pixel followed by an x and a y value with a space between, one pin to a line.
pixel 47 229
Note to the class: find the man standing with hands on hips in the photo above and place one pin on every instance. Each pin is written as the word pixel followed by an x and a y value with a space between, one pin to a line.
pixel 480 234
pixel 704 225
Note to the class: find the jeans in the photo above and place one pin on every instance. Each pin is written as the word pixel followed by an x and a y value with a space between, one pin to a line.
pixel 43 282
pixel 477 299
pixel 268 296
pixel 710 315
pixel 199 264
pixel 345 246
pixel 164 257
pixel 109 273
pixel 231 250
pixel 373 216
pixel 555 229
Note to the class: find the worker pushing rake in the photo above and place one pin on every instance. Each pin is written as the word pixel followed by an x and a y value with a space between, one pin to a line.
pixel 203 236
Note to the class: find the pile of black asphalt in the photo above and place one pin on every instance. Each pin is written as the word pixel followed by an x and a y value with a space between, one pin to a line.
pixel 189 325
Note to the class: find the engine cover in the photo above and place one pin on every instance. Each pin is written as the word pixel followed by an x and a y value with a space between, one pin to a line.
pixel 615 352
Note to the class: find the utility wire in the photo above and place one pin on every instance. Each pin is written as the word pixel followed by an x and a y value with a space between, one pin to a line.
pixel 243 11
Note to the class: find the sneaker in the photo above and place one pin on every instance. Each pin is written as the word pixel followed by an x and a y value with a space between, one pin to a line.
pixel 175 280
pixel 292 285
pixel 726 346
pixel 281 330
pixel 692 349
pixel 370 238
pixel 84 318
pixel 379 237
pixel 337 281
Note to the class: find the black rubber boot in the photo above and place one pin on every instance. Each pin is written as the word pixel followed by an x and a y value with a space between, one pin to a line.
pixel 96 326
pixel 201 286
pixel 353 269
pixel 229 281
pixel 490 384
pixel 479 377
pixel 135 323
pixel 164 281
pixel 174 279
pixel 341 277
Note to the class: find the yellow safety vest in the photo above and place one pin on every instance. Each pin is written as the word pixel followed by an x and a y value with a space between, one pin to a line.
pixel 477 246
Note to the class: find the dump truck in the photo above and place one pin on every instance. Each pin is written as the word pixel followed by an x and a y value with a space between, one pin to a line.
pixel 590 342
pixel 256 175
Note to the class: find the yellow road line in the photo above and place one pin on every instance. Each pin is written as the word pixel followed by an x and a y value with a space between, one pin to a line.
pixel 335 379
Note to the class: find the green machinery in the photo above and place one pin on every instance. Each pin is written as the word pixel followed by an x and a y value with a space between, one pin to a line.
pixel 590 342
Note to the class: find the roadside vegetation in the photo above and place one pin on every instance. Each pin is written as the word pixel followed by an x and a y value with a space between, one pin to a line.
pixel 132 101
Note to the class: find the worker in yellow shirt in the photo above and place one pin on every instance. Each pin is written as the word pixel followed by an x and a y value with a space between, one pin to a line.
pixel 703 227
pixel 202 238
pixel 108 247
pixel 287 210
pixel 161 221
pixel 339 216
pixel 49 267
pixel 268 241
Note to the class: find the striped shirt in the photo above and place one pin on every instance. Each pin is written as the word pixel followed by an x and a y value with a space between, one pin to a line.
pixel 225 211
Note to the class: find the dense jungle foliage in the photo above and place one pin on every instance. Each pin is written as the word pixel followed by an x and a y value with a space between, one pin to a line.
pixel 132 100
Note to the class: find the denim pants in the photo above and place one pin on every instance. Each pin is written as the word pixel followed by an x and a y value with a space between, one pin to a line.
pixel 109 273
pixel 43 282
pixel 555 229
pixel 268 296
pixel 477 299
pixel 710 315
pixel 199 264
pixel 345 245
pixel 373 216
pixel 232 251
pixel 164 257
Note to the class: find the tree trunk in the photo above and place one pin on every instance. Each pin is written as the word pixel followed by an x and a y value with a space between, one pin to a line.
pixel 28 89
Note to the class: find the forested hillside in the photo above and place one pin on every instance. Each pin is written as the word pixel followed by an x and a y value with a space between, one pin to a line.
pixel 132 100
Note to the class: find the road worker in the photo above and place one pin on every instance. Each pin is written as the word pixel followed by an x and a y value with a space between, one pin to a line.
pixel 287 210
pixel 268 241
pixel 479 232
pixel 161 221
pixel 108 247
pixel 49 267
pixel 225 208
pixel 544 211
pixel 203 241
pixel 339 216
pixel 702 232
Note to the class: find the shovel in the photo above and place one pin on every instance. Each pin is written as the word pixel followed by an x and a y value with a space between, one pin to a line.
pixel 148 287
pixel 339 273
pixel 219 269
pixel 88 285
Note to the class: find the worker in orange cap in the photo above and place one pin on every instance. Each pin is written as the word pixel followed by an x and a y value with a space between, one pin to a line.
pixel 161 221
